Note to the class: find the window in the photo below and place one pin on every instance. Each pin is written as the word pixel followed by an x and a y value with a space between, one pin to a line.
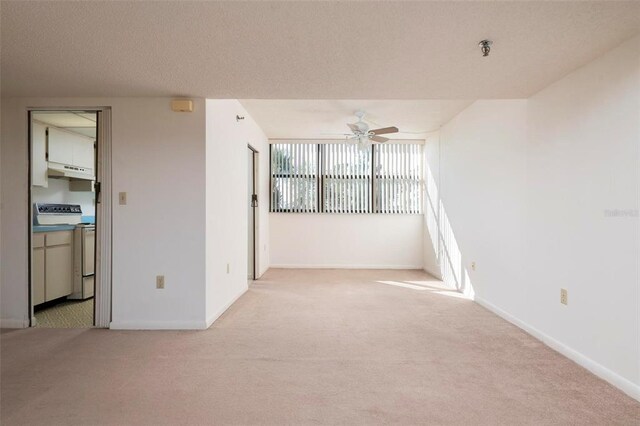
pixel 343 178
pixel 397 178
pixel 294 176
pixel 346 178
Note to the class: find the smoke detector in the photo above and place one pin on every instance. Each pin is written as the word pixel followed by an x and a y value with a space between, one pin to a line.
pixel 485 47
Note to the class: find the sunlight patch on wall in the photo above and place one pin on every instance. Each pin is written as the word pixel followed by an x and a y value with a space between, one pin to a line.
pixel 445 245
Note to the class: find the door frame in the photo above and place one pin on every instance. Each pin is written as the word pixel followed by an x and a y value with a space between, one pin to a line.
pixel 103 253
pixel 255 162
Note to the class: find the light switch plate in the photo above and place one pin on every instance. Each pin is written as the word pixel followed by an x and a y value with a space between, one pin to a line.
pixel 160 281
pixel 122 198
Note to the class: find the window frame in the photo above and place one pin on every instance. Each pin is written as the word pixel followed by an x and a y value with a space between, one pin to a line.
pixel 293 176
pixel 368 176
pixel 372 175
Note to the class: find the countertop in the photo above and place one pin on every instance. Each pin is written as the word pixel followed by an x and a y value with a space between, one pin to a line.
pixel 53 228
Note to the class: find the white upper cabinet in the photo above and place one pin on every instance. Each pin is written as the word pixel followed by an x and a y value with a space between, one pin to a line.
pixel 83 153
pixel 39 155
pixel 71 149
pixel 60 146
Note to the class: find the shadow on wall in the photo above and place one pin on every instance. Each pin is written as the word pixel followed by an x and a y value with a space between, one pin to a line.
pixel 443 240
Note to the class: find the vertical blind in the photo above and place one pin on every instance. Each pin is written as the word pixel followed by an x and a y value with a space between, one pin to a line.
pixel 346 178
pixel 343 178
pixel 398 177
pixel 294 176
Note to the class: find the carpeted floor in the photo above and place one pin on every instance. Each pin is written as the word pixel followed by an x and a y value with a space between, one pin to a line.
pixel 307 347
pixel 68 314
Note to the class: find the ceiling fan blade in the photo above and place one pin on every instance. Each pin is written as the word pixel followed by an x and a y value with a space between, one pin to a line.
pixel 378 139
pixel 384 130
pixel 336 134
pixel 353 127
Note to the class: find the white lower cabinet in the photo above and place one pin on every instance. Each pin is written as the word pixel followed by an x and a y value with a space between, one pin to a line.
pixel 38 275
pixel 52 265
pixel 58 272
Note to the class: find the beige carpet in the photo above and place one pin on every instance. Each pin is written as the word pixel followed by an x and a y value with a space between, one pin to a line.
pixel 308 348
pixel 68 314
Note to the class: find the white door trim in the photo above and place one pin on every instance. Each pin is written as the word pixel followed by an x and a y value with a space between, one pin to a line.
pixel 255 159
pixel 102 311
pixel 102 307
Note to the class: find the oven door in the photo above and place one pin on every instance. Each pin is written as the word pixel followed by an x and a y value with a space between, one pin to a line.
pixel 88 251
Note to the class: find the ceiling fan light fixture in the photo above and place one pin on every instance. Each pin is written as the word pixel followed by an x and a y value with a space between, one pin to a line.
pixel 363 136
pixel 364 142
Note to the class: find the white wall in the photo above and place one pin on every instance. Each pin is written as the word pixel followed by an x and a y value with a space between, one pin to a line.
pixel 57 191
pixel 431 245
pixel 479 169
pixel 583 161
pixel 159 160
pixel 346 241
pixel 526 190
pixel 226 203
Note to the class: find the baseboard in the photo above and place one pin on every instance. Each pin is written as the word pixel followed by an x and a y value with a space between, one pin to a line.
pixel 157 325
pixel 625 385
pixel 13 323
pixel 298 266
pixel 217 315
pixel 261 273
pixel 174 325
pixel 436 274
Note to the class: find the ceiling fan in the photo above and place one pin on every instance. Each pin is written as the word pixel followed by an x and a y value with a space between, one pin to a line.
pixel 362 135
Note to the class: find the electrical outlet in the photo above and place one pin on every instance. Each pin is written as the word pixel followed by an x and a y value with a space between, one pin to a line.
pixel 122 198
pixel 473 266
pixel 228 268
pixel 160 281
pixel 564 297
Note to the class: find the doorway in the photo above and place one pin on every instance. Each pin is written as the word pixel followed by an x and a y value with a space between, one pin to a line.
pixel 68 221
pixel 252 203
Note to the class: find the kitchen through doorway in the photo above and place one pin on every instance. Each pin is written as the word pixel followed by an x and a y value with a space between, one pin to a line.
pixel 63 203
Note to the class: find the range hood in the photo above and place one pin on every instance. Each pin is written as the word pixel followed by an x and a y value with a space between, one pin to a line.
pixel 74 172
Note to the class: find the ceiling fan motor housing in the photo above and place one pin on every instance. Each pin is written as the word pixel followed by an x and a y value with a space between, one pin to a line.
pixel 364 127
pixel 364 136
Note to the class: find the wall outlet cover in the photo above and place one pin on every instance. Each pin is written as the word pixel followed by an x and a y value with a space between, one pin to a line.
pixel 564 296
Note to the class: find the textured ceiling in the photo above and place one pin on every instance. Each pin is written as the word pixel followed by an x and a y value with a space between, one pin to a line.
pixel 302 50
pixel 317 119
